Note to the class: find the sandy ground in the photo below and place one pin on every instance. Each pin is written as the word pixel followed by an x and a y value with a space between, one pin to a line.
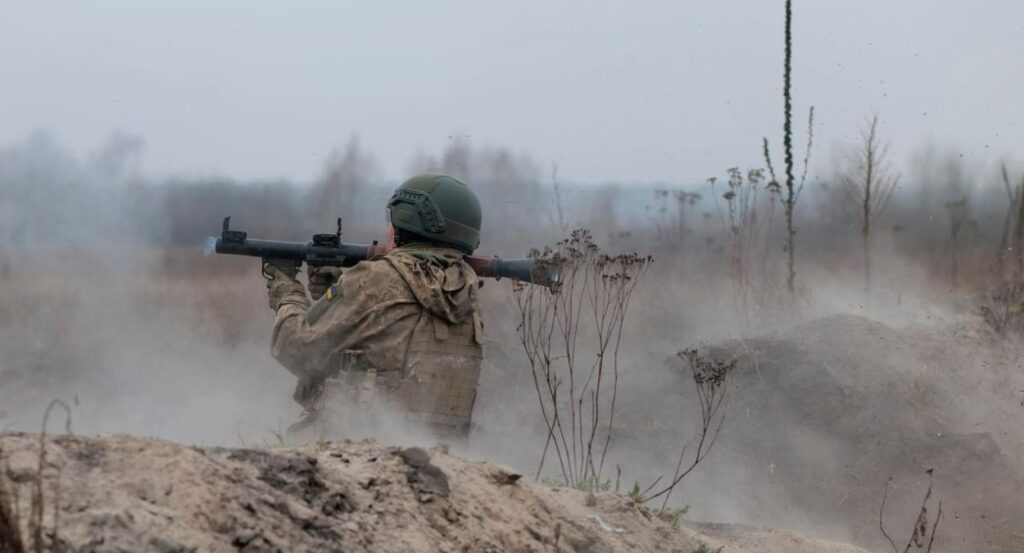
pixel 123 493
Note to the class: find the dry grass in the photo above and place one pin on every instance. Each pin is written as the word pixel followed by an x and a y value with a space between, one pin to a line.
pixel 11 538
pixel 1003 308
pixel 921 535
pixel 751 203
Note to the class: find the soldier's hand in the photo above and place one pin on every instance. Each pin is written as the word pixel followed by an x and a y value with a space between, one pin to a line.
pixel 283 288
pixel 321 278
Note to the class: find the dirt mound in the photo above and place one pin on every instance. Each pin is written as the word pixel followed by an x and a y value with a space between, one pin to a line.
pixel 832 408
pixel 121 493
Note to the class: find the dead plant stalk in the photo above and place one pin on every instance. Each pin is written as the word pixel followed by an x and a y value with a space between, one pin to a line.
pixel 571 335
pixel 920 532
pixel 710 378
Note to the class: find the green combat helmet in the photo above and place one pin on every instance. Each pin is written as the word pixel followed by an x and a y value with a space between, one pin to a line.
pixel 439 208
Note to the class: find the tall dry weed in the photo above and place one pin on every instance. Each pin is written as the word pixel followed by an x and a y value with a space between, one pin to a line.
pixel 711 383
pixel 572 334
pixel 11 538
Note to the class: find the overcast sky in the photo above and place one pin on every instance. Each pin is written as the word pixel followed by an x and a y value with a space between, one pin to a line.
pixel 632 91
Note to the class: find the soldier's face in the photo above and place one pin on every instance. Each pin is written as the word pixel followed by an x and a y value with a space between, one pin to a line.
pixel 391 236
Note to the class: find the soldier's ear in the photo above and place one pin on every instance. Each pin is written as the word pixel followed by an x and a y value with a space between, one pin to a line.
pixel 391 236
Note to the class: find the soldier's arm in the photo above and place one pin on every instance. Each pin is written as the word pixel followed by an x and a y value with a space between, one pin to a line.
pixel 358 307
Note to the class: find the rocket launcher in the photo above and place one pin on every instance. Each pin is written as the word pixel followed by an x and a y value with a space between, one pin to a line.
pixel 329 250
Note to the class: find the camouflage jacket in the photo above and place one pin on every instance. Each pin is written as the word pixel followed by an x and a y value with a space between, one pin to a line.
pixel 412 315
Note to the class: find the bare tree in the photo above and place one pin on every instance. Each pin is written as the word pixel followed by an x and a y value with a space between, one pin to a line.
pixel 1014 221
pixel 869 183
pixel 558 215
pixel 510 185
pixel 958 213
pixel 1004 296
pixel 346 176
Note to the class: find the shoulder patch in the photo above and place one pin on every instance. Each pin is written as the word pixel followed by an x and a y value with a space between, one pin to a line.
pixel 320 306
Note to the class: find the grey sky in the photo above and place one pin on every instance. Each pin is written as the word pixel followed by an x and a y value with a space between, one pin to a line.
pixel 631 91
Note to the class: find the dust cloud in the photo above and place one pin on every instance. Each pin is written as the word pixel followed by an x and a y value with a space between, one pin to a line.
pixel 109 303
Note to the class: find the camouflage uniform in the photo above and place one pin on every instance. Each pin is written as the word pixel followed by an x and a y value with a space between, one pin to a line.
pixel 401 331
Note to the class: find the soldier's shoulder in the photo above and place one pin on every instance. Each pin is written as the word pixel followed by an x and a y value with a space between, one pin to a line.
pixel 376 273
pixel 373 280
pixel 416 253
pixel 375 268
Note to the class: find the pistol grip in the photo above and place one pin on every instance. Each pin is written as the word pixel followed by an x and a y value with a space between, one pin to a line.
pixel 289 266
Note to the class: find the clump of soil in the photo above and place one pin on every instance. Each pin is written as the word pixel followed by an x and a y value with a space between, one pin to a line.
pixel 122 493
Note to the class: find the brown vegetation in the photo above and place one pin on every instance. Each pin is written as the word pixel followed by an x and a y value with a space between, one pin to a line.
pixel 571 334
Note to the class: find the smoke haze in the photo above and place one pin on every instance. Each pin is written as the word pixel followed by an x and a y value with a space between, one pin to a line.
pixel 563 116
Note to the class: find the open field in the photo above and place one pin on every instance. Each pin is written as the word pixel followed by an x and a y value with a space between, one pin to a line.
pixel 109 303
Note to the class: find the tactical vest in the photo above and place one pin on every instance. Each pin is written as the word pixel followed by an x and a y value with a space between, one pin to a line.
pixel 435 387
pixel 441 372
pixel 436 384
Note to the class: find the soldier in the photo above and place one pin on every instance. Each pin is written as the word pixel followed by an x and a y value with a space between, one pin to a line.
pixel 399 332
